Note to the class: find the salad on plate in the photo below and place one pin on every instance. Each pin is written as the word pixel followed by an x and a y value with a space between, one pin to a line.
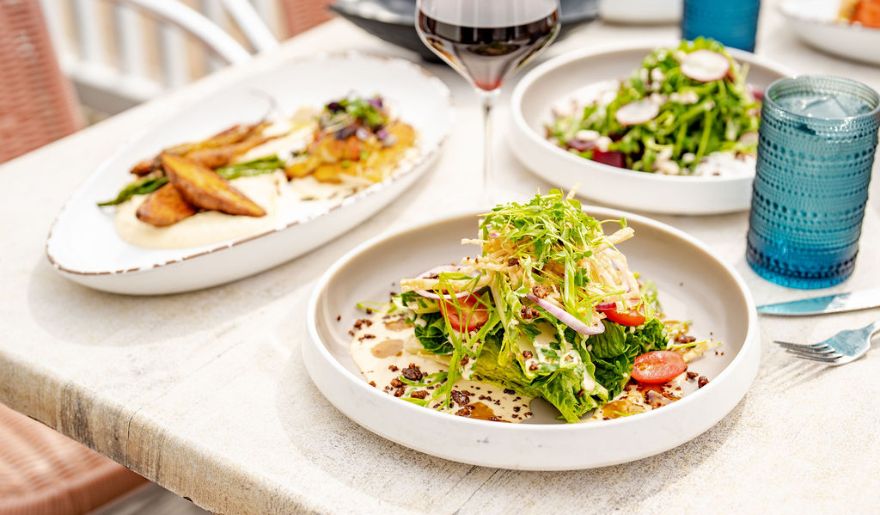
pixel 547 308
pixel 685 111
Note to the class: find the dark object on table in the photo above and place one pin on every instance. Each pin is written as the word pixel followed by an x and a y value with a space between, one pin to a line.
pixel 394 20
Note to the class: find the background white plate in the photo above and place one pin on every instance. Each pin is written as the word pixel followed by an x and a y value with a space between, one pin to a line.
pixel 694 285
pixel 83 244
pixel 640 11
pixel 558 79
pixel 815 22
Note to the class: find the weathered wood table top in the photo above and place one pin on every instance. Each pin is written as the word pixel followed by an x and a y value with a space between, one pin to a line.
pixel 206 394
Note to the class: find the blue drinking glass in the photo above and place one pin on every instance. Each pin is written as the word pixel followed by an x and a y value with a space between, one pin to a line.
pixel 733 23
pixel 816 149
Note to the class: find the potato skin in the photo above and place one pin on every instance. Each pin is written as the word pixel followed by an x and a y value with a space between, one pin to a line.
pixel 164 207
pixel 203 188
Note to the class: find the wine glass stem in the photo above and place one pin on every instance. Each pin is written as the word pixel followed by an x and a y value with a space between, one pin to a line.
pixel 488 99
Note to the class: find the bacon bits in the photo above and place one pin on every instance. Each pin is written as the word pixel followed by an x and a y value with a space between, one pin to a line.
pixel 412 372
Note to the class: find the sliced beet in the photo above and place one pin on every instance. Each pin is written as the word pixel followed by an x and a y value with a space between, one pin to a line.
pixel 610 158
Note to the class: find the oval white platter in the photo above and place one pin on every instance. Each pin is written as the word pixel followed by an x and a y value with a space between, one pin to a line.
pixel 83 244
pixel 816 23
pixel 559 79
pixel 694 284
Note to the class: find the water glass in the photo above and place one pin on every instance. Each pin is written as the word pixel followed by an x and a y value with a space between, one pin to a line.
pixel 816 149
pixel 733 23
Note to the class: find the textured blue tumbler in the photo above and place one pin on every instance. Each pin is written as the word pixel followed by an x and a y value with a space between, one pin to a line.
pixel 816 149
pixel 733 23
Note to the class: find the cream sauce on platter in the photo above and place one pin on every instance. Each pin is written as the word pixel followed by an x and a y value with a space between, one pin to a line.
pixel 284 201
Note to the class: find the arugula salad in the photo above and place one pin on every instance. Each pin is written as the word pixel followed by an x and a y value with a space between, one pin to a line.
pixel 685 111
pixel 548 308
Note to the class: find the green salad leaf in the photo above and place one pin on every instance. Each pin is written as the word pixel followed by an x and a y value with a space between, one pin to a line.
pixel 430 330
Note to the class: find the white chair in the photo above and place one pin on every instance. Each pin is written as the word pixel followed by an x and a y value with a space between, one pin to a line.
pixel 110 68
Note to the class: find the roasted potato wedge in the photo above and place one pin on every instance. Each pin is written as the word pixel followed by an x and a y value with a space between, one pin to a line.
pixel 202 187
pixel 164 207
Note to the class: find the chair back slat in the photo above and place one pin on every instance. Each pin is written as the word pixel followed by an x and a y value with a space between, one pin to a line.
pixel 128 29
pixel 172 45
pixel 88 33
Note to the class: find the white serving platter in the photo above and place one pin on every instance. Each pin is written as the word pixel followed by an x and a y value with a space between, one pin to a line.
pixel 559 79
pixel 694 284
pixel 816 23
pixel 83 244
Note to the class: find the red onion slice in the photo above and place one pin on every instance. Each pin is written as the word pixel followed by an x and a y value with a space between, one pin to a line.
pixel 437 270
pixel 566 318
pixel 705 65
pixel 637 112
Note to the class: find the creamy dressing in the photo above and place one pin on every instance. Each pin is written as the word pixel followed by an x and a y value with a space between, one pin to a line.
pixel 383 346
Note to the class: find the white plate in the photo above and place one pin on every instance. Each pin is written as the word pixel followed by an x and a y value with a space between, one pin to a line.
pixel 815 22
pixel 694 285
pixel 640 11
pixel 83 244
pixel 558 79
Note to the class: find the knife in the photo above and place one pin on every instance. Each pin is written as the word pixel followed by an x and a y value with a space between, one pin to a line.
pixel 852 301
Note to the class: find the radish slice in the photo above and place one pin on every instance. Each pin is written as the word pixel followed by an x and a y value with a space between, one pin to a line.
pixel 705 65
pixel 637 112
pixel 566 318
pixel 437 270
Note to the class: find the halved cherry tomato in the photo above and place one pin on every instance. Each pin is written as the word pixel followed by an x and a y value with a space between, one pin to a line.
pixel 627 319
pixel 658 367
pixel 465 314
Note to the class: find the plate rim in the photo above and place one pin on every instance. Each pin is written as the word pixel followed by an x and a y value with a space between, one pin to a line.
pixel 567 58
pixel 751 339
pixel 416 167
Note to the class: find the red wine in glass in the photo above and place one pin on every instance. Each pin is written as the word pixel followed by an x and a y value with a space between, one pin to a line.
pixel 486 41
pixel 488 53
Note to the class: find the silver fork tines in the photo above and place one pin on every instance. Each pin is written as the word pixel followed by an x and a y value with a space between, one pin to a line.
pixel 842 348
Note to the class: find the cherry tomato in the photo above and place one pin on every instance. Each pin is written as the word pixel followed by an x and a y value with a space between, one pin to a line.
pixel 658 367
pixel 627 319
pixel 465 314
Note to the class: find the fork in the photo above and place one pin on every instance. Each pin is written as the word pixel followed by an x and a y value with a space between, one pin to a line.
pixel 842 348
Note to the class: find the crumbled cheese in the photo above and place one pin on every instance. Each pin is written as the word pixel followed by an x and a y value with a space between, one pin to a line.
pixel 687 98
pixel 588 136
pixel 657 75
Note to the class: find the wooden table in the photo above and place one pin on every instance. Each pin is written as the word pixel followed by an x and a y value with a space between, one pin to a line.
pixel 206 394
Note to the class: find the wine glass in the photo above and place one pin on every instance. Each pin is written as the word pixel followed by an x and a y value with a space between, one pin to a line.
pixel 486 41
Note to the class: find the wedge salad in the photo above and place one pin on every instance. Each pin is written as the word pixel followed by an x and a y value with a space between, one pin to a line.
pixel 685 111
pixel 547 308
